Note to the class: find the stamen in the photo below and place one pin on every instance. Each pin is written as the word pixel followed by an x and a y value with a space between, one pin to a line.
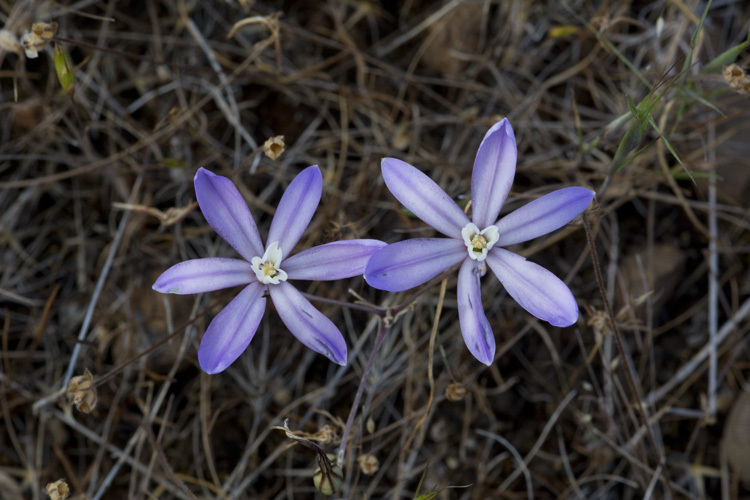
pixel 268 268
pixel 478 243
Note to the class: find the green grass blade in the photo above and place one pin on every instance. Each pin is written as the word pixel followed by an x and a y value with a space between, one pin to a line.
pixel 670 148
pixel 726 57
pixel 694 39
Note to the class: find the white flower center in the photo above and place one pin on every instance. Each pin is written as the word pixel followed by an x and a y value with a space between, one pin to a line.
pixel 478 243
pixel 267 268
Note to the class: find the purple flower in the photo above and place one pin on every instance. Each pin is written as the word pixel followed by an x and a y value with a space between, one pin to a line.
pixel 409 263
pixel 265 270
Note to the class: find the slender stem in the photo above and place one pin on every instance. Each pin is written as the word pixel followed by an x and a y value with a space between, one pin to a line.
pixel 164 462
pixel 342 303
pixel 621 348
pixel 101 280
pixel 430 376
pixel 360 391
pixel 713 277
pixel 99 381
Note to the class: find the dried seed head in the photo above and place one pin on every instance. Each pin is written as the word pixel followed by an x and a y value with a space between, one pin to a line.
pixel 35 40
pixel 368 464
pixel 81 383
pixel 81 388
pixel 599 321
pixel 736 78
pixel 274 146
pixel 58 490
pixel 86 402
pixel 45 31
pixel 326 434
pixel 455 392
pixel 329 482
pixel 370 425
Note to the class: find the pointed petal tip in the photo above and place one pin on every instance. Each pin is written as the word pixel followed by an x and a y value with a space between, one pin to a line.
pixel 564 321
pixel 212 366
pixel 536 289
pixel 579 192
pixel 313 171
pixel 308 324
pixel 202 171
pixel 161 289
pixel 423 197
pixel 204 275
pixel 336 356
pixel 209 364
pixel 389 166
pixel 484 354
pixel 543 215
pixel 486 362
pixel 503 124
pixel 493 173
pixel 589 196
pixel 388 162
pixel 227 213
pixel 475 327
pixel 481 354
pixel 210 369
pixel 339 358
pixel 503 127
pixel 379 281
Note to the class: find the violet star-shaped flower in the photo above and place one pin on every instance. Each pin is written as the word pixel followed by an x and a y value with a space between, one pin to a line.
pixel 265 270
pixel 406 264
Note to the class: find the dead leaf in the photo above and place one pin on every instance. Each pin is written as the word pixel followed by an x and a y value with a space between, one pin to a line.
pixel 455 34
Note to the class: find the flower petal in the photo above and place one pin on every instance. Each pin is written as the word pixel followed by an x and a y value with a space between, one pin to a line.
pixel 232 329
pixel 494 169
pixel 409 263
pixel 227 213
pixel 543 215
pixel 475 327
pixel 537 290
pixel 332 261
pixel 296 208
pixel 204 275
pixel 423 197
pixel 308 324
